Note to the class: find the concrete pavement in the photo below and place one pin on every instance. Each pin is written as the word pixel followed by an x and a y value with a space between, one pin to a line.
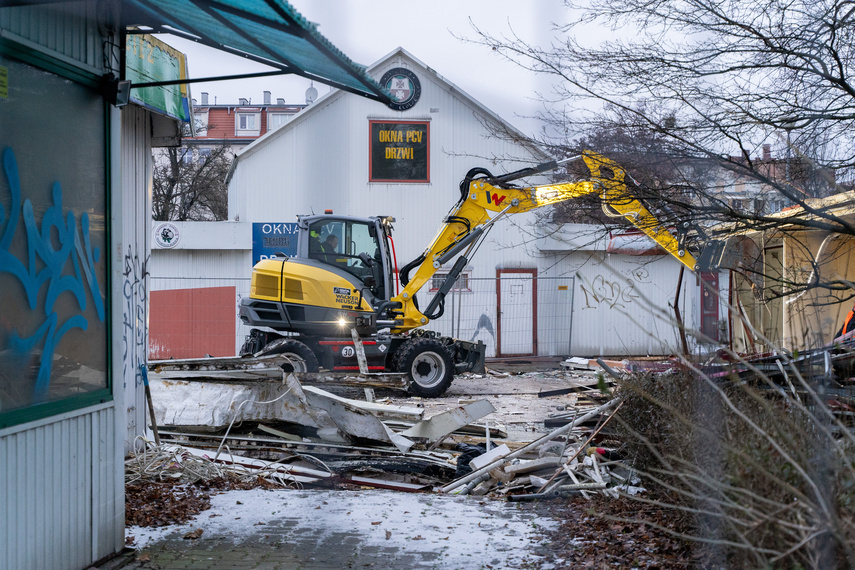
pixel 319 529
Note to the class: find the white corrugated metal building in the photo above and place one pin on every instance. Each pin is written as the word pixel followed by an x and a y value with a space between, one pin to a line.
pixel 533 287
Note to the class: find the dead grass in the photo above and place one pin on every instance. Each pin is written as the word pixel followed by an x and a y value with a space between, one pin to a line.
pixel 765 478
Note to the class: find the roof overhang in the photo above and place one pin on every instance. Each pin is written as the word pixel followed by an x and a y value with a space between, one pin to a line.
pixel 270 32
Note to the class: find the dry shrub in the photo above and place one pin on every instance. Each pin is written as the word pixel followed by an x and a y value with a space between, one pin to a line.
pixel 766 474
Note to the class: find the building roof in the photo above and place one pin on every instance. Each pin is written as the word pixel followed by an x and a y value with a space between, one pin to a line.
pixel 307 113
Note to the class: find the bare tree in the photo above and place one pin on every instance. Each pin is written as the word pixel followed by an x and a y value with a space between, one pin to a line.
pixel 696 95
pixel 690 96
pixel 190 185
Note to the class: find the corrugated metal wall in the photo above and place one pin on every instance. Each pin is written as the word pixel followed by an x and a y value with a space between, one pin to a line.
pixel 189 269
pixel 68 31
pixel 58 492
pixel 623 304
pixel 134 205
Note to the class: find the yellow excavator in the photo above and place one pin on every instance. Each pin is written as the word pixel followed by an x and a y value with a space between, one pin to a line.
pixel 336 298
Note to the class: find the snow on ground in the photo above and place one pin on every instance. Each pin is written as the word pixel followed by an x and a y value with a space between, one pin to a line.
pixel 459 530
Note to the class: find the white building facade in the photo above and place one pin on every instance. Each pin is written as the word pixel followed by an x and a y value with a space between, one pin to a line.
pixel 533 287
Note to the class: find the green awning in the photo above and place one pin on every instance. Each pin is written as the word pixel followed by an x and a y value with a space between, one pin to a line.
pixel 270 32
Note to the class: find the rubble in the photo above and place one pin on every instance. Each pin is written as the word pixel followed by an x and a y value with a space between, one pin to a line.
pixel 286 434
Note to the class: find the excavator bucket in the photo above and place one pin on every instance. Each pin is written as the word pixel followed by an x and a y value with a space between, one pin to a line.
pixel 727 253
pixel 710 256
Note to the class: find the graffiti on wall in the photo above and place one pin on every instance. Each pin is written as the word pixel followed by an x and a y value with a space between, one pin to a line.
pixel 60 266
pixel 133 316
pixel 610 293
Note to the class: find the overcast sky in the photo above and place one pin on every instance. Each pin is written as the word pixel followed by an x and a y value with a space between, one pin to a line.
pixel 367 30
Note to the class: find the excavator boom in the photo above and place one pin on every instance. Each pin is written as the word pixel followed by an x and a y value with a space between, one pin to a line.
pixel 471 217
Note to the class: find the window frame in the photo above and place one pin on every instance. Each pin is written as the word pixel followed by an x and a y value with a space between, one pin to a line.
pixel 277 115
pixel 200 122
pixel 437 278
pixel 83 78
pixel 256 120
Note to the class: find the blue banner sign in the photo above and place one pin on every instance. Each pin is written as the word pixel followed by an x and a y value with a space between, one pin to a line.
pixel 268 239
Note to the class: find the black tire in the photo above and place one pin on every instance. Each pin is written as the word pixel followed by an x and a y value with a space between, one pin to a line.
pixel 301 356
pixel 428 364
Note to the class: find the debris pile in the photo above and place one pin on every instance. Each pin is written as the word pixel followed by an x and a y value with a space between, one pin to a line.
pixel 553 465
pixel 282 433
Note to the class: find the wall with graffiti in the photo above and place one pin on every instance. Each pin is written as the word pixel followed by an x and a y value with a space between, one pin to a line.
pixel 624 304
pixel 53 255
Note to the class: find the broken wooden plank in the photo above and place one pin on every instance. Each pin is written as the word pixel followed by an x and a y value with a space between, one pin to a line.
pixel 573 388
pixel 473 429
pixel 385 484
pixel 214 363
pixel 572 476
pixel 266 368
pixel 278 433
pixel 273 374
pixel 298 474
pixel 576 363
pixel 581 487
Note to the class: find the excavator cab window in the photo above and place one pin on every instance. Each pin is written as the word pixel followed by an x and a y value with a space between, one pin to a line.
pixel 348 245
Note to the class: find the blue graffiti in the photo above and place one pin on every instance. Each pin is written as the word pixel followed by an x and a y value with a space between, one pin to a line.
pixel 74 247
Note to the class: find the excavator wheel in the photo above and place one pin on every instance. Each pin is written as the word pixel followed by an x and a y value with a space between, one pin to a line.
pixel 301 356
pixel 428 364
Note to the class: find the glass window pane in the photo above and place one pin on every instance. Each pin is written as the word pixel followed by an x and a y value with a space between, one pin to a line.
pixel 339 243
pixel 53 251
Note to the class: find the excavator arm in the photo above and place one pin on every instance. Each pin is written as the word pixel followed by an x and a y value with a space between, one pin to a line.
pixel 471 218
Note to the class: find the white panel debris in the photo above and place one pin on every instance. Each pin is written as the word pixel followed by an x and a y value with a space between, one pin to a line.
pixel 443 424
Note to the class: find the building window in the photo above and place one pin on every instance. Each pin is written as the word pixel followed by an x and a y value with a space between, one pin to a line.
pixel 247 124
pixel 276 120
pixel 200 123
pixel 54 252
pixel 462 283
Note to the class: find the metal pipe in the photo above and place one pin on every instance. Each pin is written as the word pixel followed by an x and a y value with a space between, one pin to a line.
pixel 680 325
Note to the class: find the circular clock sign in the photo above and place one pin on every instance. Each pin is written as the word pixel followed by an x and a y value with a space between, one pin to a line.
pixel 404 87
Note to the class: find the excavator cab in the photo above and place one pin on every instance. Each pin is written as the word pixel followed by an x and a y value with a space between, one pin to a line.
pixel 357 246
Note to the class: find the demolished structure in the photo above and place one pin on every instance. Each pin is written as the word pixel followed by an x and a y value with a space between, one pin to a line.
pixel 292 433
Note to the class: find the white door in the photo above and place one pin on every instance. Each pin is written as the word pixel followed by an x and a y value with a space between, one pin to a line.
pixel 517 312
